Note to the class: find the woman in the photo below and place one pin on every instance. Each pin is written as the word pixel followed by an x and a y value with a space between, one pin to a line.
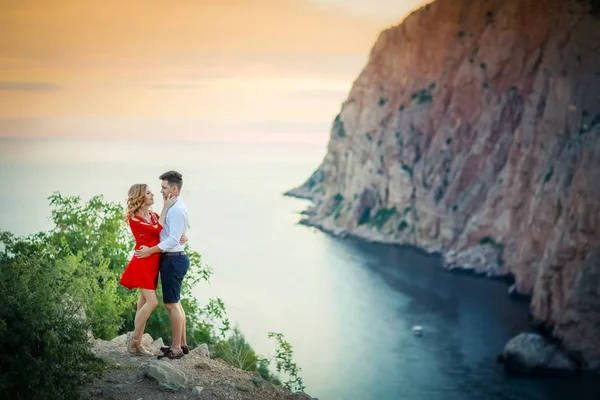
pixel 142 273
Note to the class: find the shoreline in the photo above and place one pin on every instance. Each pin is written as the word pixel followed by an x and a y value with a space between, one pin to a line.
pixel 536 327
pixel 507 278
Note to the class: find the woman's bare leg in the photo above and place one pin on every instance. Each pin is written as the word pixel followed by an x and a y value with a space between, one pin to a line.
pixel 146 305
pixel 140 304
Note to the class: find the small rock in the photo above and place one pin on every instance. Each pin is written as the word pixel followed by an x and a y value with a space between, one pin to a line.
pixel 243 388
pixel 202 350
pixel 167 376
pixel 197 390
pixel 158 343
pixel 120 340
pixel 204 365
pixel 480 259
pixel 258 381
pixel 513 291
pixel 147 339
pixel 530 353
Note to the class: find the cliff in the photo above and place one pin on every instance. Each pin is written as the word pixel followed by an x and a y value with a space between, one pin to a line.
pixel 474 131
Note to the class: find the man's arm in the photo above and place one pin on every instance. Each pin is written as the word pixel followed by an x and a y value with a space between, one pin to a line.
pixel 177 228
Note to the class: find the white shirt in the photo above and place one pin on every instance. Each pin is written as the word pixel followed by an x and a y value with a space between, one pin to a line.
pixel 174 227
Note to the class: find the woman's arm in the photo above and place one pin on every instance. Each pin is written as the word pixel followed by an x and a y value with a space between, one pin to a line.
pixel 168 203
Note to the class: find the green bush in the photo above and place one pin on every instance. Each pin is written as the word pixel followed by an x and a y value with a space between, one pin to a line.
pixel 96 233
pixel 46 354
pixel 382 216
pixel 236 352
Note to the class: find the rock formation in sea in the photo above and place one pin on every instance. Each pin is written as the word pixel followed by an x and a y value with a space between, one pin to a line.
pixel 474 131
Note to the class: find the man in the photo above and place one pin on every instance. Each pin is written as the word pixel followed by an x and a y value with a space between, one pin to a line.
pixel 174 263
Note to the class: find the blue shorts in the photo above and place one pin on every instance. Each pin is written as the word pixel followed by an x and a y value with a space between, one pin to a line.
pixel 172 271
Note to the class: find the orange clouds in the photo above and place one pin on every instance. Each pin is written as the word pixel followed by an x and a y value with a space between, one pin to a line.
pixel 176 32
pixel 217 60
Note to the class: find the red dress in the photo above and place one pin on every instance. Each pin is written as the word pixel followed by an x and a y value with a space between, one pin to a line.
pixel 143 272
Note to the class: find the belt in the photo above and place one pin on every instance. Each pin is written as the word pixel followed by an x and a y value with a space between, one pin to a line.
pixel 173 253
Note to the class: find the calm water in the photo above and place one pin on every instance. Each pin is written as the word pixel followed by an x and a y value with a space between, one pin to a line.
pixel 346 306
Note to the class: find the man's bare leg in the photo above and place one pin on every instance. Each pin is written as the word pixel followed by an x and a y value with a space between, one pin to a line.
pixel 177 318
pixel 183 327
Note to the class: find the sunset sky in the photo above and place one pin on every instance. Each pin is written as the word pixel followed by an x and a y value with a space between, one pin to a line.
pixel 193 68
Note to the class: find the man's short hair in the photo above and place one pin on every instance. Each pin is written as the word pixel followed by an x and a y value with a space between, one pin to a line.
pixel 173 178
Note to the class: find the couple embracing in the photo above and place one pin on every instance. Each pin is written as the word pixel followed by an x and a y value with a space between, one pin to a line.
pixel 159 250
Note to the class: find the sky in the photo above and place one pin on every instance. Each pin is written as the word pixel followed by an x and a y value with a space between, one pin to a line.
pixel 194 69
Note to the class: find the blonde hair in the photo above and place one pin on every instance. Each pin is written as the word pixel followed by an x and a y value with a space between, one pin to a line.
pixel 135 199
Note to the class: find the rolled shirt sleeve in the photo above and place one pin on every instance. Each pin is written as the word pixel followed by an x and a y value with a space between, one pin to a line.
pixel 177 227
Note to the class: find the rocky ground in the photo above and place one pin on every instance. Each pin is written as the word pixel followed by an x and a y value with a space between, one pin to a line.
pixel 195 376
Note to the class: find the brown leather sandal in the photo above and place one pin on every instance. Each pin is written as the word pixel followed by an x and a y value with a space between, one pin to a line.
pixel 170 355
pixel 185 349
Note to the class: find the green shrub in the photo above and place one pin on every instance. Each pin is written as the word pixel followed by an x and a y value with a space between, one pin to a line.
pixel 236 352
pixel 285 364
pixel 382 216
pixel 46 353
pixel 338 125
pixel 365 216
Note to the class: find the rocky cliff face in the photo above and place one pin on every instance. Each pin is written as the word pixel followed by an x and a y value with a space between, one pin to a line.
pixel 474 131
